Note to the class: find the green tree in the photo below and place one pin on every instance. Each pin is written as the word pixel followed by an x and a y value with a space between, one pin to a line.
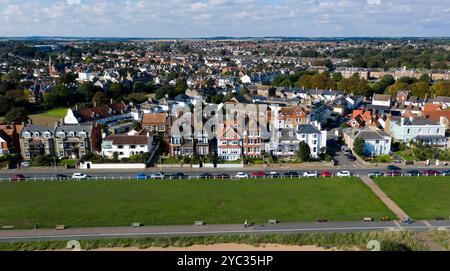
pixel 441 88
pixel 99 98
pixel 355 85
pixel 398 86
pixel 4 105
pixel 115 90
pixel 420 89
pixel 16 115
pixel 358 146
pixel 304 152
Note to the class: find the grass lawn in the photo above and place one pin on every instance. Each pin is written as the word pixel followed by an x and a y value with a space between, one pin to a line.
pixel 171 160
pixel 406 155
pixel 69 162
pixel 56 113
pixel 383 159
pixel 120 203
pixel 419 197
pixel 48 118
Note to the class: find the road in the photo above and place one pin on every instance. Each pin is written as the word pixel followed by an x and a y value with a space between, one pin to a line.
pixel 188 230
pixel 47 173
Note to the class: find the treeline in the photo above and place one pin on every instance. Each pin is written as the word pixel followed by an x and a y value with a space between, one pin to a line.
pixel 357 85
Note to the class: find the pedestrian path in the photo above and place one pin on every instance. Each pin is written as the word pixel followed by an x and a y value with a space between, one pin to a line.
pixel 384 198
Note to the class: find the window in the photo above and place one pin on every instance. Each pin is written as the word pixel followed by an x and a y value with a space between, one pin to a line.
pixel 377 141
pixel 408 131
pixel 133 147
pixel 120 147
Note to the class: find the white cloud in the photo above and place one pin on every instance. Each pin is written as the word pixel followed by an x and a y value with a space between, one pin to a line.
pixel 374 2
pixel 73 2
pixel 199 18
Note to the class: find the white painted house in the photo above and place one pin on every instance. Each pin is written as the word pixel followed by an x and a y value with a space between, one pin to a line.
pixel 382 100
pixel 376 142
pixel 126 145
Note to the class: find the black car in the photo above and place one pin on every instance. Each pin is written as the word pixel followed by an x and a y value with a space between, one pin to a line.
pixel 178 175
pixel 414 173
pixel 291 174
pixel 62 177
pixel 393 168
pixel 206 176
pixel 351 157
pixel 274 175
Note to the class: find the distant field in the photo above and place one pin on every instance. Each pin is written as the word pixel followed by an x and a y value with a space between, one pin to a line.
pixel 49 117
pixel 419 197
pixel 119 203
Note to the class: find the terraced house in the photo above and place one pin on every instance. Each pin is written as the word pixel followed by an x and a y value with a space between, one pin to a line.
pixel 37 140
pixel 74 141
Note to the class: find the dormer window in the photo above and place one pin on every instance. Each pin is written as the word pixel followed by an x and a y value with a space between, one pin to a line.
pixel 47 135
pixel 71 134
pixel 27 135
pixel 37 134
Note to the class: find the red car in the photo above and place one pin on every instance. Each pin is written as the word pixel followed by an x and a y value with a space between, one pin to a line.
pixel 18 177
pixel 258 174
pixel 327 174
pixel 431 172
pixel 393 173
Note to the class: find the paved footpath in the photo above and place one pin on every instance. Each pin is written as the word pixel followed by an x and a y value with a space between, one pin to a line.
pixel 384 198
pixel 190 230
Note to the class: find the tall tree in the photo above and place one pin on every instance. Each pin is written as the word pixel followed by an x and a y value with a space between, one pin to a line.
pixel 16 115
pixel 304 152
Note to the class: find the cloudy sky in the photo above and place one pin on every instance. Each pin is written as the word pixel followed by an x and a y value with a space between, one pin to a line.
pixel 206 18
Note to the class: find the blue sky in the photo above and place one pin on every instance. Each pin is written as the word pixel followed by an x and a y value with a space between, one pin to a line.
pixel 206 18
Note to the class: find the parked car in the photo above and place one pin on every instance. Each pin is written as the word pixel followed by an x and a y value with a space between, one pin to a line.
pixel 241 175
pixel 407 220
pixel 344 174
pixel 446 173
pixel 393 173
pixel 393 168
pixel 206 176
pixel 431 172
pixel 351 157
pixel 141 176
pixel 274 174
pixel 326 174
pixel 414 173
pixel 157 175
pixel 178 175
pixel 222 176
pixel 62 177
pixel 291 174
pixel 258 174
pixel 25 164
pixel 374 174
pixel 79 176
pixel 18 177
pixel 310 174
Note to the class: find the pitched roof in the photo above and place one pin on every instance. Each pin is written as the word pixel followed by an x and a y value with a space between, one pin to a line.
pixel 436 115
pixel 100 112
pixel 431 107
pixel 307 129
pixel 127 140
pixel 157 118
pixel 382 97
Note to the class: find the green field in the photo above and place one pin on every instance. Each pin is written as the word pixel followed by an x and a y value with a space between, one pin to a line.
pixel 49 117
pixel 56 113
pixel 120 203
pixel 419 197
